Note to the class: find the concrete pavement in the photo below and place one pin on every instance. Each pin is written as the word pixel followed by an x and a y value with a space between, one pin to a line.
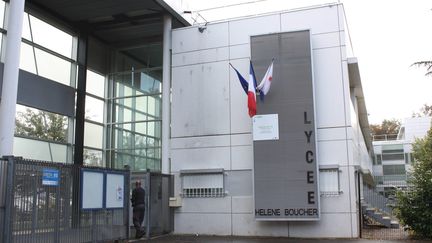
pixel 231 239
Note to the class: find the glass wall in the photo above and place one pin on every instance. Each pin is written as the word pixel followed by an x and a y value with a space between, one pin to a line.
pixel 94 120
pixel 41 135
pixel 135 122
pixel 122 106
pixel 46 51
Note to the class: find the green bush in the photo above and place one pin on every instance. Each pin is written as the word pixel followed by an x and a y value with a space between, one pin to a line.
pixel 414 204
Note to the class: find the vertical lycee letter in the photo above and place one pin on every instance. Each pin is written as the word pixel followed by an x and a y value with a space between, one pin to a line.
pixel 309 156
pixel 306 119
pixel 310 177
pixel 308 135
pixel 311 197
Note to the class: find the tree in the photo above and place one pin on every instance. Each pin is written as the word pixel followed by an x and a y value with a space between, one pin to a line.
pixel 427 64
pixel 41 125
pixel 386 127
pixel 426 110
pixel 414 204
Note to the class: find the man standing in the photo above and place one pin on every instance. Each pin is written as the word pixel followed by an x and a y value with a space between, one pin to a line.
pixel 138 204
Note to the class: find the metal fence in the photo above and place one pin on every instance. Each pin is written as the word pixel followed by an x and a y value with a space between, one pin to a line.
pixel 34 212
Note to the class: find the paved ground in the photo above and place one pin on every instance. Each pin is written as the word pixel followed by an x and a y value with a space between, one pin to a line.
pixel 228 239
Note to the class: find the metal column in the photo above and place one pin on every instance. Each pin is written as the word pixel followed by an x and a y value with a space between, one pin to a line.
pixel 166 89
pixel 10 76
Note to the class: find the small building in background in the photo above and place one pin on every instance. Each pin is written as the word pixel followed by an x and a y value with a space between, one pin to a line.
pixel 393 154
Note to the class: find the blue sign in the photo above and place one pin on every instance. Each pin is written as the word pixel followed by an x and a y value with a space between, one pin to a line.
pixel 50 177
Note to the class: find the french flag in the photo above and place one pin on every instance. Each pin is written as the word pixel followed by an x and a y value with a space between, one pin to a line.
pixel 264 86
pixel 252 84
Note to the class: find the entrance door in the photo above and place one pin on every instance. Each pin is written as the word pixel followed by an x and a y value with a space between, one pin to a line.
pixel 159 217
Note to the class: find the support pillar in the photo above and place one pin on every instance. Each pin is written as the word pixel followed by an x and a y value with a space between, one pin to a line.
pixel 166 90
pixel 10 76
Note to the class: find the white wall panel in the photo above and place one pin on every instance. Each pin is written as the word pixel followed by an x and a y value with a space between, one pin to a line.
pixel 350 171
pixel 329 98
pixel 203 56
pixel 199 223
pixel 326 134
pixel 332 152
pixel 243 204
pixel 307 19
pixel 200 142
pixel 241 30
pixel 325 40
pixel 241 139
pixel 205 205
pixel 240 51
pixel 200 100
pixel 190 39
pixel 242 158
pixel 334 225
pixel 204 158
pixel 341 16
pixel 245 224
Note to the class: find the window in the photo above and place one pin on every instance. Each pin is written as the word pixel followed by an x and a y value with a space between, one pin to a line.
pixel 378 159
pixel 329 181
pixel 202 183
pixel 393 152
pixel 394 169
pixel 398 156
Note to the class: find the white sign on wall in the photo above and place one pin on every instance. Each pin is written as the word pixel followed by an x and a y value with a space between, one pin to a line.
pixel 266 127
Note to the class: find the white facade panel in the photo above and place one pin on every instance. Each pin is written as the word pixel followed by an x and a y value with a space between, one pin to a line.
pixel 328 134
pixel 243 204
pixel 307 19
pixel 200 100
pixel 200 142
pixel 190 39
pixel 203 56
pixel 325 40
pixel 241 139
pixel 205 205
pixel 332 152
pixel 241 30
pixel 242 158
pixel 240 51
pixel 202 158
pixel 329 97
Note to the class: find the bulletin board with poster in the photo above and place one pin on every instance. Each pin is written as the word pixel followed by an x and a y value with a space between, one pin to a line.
pixel 114 192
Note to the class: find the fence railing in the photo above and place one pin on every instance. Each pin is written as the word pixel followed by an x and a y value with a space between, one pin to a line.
pixel 34 211
pixel 384 137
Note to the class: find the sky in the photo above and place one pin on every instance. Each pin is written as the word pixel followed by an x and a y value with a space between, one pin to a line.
pixel 387 37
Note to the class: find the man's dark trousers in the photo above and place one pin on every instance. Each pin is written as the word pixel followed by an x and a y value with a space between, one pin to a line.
pixel 138 217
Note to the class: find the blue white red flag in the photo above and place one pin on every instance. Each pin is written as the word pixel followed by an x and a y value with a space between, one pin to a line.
pixel 251 92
